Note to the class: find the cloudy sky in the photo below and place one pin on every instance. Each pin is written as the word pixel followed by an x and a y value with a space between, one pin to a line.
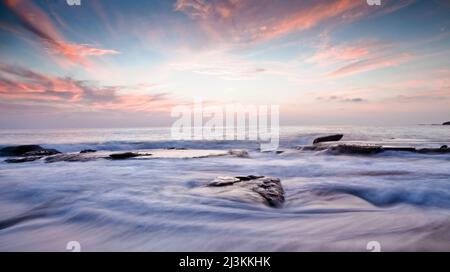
pixel 115 63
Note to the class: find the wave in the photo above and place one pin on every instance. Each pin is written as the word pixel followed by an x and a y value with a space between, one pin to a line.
pixel 130 145
pixel 390 196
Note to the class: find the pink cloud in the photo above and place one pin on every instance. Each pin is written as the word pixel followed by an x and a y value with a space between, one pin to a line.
pixel 369 64
pixel 336 53
pixel 22 85
pixel 35 21
pixel 247 21
pixel 343 53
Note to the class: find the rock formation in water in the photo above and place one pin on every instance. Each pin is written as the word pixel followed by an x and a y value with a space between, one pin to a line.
pixel 70 158
pixel 23 159
pixel 88 151
pixel 446 124
pixel 365 149
pixel 239 153
pixel 262 189
pixel 329 138
pixel 356 149
pixel 125 155
pixel 27 150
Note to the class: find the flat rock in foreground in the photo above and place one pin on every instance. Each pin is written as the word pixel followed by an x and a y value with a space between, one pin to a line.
pixel 266 190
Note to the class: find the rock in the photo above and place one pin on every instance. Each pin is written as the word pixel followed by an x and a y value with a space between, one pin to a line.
pixel 26 150
pixel 312 148
pixel 441 150
pixel 372 149
pixel 247 178
pixel 399 148
pixel 329 138
pixel 24 159
pixel 44 152
pixel 88 151
pixel 446 123
pixel 250 188
pixel 273 151
pixel 126 155
pixel 69 158
pixel 176 148
pixel 223 181
pixel 356 149
pixel 239 153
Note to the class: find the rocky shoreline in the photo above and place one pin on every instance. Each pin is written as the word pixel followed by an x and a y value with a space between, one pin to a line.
pixel 327 143
pixel 251 188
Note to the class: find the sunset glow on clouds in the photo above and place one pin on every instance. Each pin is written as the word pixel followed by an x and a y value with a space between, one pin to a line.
pixel 323 62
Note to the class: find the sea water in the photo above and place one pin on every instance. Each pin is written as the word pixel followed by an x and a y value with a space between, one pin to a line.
pixel 400 200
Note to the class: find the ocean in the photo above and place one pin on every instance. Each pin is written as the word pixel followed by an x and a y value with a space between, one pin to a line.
pixel 399 200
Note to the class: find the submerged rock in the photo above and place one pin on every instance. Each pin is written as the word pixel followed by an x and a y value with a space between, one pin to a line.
pixel 442 150
pixel 356 149
pixel 262 189
pixel 27 150
pixel 446 124
pixel 329 138
pixel 23 159
pixel 368 149
pixel 88 151
pixel 399 148
pixel 238 153
pixel 44 152
pixel 125 155
pixel 69 158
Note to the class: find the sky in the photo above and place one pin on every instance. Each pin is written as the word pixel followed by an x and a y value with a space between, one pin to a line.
pixel 114 63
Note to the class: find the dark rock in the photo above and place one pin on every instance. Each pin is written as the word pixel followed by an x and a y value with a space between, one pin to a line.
pixel 272 151
pixel 88 151
pixel 265 189
pixel 441 150
pixel 250 177
pixel 356 149
pixel 239 153
pixel 394 148
pixel 69 158
pixel 24 159
pixel 446 124
pixel 372 149
pixel 26 150
pixel 126 155
pixel 329 138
